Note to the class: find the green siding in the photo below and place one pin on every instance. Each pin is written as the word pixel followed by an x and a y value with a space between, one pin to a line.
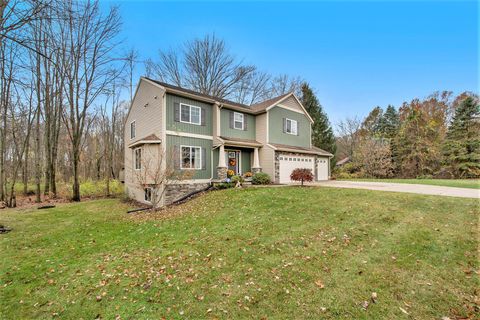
pixel 275 130
pixel 215 162
pixel 226 131
pixel 203 143
pixel 186 127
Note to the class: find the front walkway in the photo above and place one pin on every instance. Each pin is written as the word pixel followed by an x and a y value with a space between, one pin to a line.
pixel 402 187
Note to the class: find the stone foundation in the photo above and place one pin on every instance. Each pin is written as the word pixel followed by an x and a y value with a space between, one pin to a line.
pixel 221 173
pixel 174 192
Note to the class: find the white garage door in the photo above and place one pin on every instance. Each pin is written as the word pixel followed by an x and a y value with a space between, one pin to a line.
pixel 288 163
pixel 322 167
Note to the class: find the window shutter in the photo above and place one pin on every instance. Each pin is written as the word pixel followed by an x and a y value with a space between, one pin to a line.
pixel 202 116
pixel 176 157
pixel 284 125
pixel 245 121
pixel 298 128
pixel 204 159
pixel 231 120
pixel 176 112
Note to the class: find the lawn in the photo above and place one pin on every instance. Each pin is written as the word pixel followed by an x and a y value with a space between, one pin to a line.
pixel 260 253
pixel 459 183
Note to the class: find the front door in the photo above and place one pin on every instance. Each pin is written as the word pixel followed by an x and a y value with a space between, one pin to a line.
pixel 233 159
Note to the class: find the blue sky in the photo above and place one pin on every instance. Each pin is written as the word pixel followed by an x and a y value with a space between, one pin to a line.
pixel 355 54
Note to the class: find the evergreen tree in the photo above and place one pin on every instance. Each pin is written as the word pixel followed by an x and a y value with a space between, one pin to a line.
pixel 371 124
pixel 462 144
pixel 322 132
pixel 389 123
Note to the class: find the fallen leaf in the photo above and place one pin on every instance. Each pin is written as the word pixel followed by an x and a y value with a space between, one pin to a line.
pixel 403 310
pixel 320 284
pixel 365 305
pixel 374 297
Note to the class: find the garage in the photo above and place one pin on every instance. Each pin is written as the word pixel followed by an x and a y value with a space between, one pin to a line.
pixel 288 163
pixel 322 169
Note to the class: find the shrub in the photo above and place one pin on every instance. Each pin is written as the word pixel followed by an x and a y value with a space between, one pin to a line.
pixel 235 179
pixel 302 175
pixel 224 185
pixel 261 178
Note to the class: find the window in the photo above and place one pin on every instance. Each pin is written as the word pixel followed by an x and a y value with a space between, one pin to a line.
pixel 132 130
pixel 148 194
pixel 191 157
pixel 190 114
pixel 238 120
pixel 138 159
pixel 291 126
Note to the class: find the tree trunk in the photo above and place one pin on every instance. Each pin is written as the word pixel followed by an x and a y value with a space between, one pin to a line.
pixel 38 172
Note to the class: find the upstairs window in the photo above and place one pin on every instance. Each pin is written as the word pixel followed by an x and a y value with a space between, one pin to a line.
pixel 138 158
pixel 238 119
pixel 190 114
pixel 191 157
pixel 291 126
pixel 132 130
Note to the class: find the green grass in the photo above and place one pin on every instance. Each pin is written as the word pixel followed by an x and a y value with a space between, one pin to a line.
pixel 252 253
pixel 459 183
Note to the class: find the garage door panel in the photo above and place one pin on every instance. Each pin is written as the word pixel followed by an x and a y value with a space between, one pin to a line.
pixel 288 163
pixel 322 169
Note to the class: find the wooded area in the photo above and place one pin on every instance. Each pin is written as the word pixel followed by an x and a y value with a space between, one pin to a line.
pixel 435 137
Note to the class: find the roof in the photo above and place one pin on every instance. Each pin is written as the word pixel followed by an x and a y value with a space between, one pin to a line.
pixel 312 150
pixel 239 141
pixel 150 139
pixel 267 103
pixel 213 98
pixel 254 108
pixel 343 161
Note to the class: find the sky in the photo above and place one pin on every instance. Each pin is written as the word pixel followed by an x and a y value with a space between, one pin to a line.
pixel 355 54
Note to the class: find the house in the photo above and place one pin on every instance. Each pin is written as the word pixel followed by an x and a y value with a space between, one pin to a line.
pixel 200 137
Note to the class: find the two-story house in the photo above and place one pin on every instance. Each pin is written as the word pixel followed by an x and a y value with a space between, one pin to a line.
pixel 201 137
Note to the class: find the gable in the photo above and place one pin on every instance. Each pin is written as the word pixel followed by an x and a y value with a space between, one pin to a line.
pixel 291 103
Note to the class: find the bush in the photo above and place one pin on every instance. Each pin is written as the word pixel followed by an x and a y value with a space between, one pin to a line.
pixel 235 179
pixel 261 178
pixel 301 174
pixel 224 185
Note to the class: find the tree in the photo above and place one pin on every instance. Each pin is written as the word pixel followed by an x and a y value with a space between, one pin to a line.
pixel 204 65
pixel 322 132
pixel 91 39
pixel 371 124
pixel 419 140
pixel 373 157
pixel 461 148
pixel 389 123
pixel 301 174
pixel 348 136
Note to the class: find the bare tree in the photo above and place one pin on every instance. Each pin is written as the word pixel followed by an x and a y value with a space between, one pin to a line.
pixel 91 39
pixel 348 136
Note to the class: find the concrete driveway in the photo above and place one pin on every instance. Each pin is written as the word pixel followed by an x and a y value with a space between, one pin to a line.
pixel 403 187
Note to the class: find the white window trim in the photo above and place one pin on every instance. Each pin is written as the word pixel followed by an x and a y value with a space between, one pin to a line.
pixel 181 157
pixel 135 131
pixel 135 159
pixel 235 121
pixel 190 114
pixel 286 126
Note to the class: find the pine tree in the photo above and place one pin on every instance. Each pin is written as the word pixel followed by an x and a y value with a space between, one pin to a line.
pixel 322 132
pixel 462 145
pixel 389 123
